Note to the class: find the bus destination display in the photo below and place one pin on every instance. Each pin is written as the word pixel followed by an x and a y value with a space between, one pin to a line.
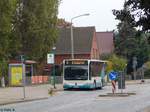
pixel 76 62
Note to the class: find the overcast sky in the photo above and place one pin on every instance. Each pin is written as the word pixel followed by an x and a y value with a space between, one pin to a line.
pixel 100 13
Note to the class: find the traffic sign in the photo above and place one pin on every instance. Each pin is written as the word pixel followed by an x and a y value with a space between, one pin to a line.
pixel 50 58
pixel 113 75
pixel 22 58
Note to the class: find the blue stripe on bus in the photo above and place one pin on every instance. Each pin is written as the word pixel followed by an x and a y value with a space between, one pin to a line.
pixel 85 86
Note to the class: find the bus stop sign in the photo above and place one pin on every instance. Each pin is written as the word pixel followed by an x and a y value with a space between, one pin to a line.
pixel 50 58
pixel 113 75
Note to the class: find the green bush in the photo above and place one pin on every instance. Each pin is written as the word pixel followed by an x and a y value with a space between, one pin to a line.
pixel 105 56
pixel 118 63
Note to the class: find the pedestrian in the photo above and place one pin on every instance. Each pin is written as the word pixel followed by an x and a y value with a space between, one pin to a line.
pixel 113 77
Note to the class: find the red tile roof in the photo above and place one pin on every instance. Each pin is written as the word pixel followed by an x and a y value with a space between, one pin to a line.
pixel 105 42
pixel 82 40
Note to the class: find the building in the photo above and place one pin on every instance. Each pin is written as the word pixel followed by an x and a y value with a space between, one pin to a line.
pixel 105 42
pixel 85 45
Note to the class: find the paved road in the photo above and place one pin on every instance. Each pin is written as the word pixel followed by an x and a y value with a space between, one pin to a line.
pixel 88 101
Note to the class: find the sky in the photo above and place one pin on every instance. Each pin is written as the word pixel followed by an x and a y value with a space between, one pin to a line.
pixel 100 13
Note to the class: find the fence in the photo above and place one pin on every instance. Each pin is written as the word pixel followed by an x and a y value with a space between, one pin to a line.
pixel 43 79
pixel 58 79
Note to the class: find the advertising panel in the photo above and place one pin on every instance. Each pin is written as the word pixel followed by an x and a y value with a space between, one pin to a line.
pixel 16 75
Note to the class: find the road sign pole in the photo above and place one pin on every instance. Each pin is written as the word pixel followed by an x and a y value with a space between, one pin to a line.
pixel 121 83
pixel 54 77
pixel 24 80
pixel 22 57
pixel 51 60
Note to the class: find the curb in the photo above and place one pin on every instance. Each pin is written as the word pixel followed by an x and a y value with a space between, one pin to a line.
pixel 56 89
pixel 117 95
pixel 22 100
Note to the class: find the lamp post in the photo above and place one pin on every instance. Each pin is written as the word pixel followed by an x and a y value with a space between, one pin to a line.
pixel 54 48
pixel 71 29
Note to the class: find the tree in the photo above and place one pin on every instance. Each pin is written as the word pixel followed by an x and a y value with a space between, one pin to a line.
pixel 118 63
pixel 35 26
pixel 62 23
pixel 126 31
pixel 105 56
pixel 130 42
pixel 7 9
pixel 141 9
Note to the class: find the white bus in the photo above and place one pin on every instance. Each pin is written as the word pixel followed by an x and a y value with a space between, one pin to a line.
pixel 83 73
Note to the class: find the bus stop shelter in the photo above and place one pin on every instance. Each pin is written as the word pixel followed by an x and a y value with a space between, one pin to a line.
pixel 19 70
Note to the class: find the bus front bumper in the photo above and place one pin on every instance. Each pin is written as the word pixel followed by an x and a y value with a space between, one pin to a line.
pixel 83 86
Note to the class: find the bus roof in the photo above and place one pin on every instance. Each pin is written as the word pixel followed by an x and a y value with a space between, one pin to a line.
pixel 92 60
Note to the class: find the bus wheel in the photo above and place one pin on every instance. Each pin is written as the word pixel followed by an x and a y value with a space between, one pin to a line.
pixel 99 87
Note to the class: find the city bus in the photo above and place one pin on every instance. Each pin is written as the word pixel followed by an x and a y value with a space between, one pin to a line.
pixel 83 73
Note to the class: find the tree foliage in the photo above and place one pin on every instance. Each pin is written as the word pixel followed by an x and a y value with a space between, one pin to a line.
pixel 7 8
pixel 35 26
pixel 63 23
pixel 105 56
pixel 118 63
pixel 141 9
pixel 129 42
pixel 26 27
pixel 126 31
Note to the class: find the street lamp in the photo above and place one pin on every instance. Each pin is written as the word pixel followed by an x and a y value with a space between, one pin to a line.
pixel 72 46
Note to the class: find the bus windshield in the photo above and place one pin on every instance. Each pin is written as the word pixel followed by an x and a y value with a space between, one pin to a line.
pixel 76 73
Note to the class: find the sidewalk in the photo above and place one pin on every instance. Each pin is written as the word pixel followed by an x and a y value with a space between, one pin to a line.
pixel 11 95
pixel 137 81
